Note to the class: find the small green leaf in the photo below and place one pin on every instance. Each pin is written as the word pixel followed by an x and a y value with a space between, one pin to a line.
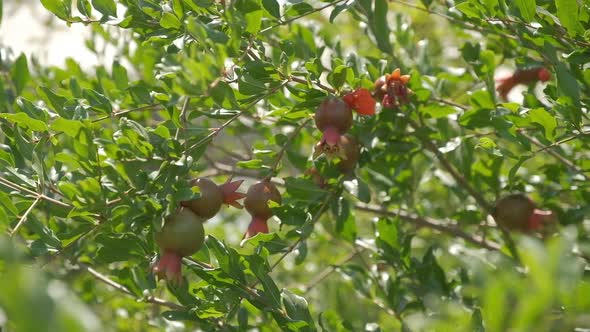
pixel 84 7
pixel 169 21
pixel 97 101
pixel 69 127
pixel 297 309
pixel 24 121
pixel 337 10
pixel 546 120
pixel 527 9
pixel 250 164
pixel 105 7
pixel 567 12
pixel 58 7
pixel 272 7
pixel 20 73
pixel 381 27
pixel 120 76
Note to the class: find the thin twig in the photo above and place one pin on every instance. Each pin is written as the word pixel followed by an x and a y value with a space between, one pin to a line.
pixel 427 222
pixel 125 290
pixel 12 185
pixel 233 118
pixel 462 182
pixel 279 157
pixel 24 217
pixel 569 164
pixel 329 270
pixel 119 113
pixel 318 83
pixel 294 18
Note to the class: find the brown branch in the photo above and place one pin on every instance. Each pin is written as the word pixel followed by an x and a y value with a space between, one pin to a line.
pixel 431 223
pixel 235 117
pixel 329 270
pixel 119 113
pixel 14 186
pixel 318 83
pixel 461 181
pixel 274 167
pixel 569 164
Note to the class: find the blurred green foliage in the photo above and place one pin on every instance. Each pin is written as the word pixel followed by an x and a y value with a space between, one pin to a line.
pixel 92 161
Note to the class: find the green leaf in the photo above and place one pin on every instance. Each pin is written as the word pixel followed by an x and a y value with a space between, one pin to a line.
pixel 169 21
pixel 381 27
pixel 105 7
pixel 297 309
pixel 567 83
pixel 527 9
pixel 272 7
pixel 20 73
pixel 546 120
pixel 97 101
pixel 69 127
pixel 337 10
pixel 567 12
pixel 84 7
pixel 359 189
pixel 345 221
pixel 59 8
pixel 25 121
pixel 120 76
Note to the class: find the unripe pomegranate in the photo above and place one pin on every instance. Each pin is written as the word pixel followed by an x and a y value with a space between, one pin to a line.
pixel 333 118
pixel 350 152
pixel 256 203
pixel 519 213
pixel 347 150
pixel 213 196
pixel 182 235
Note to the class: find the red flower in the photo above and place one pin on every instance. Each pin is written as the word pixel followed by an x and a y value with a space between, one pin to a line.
pixel 361 101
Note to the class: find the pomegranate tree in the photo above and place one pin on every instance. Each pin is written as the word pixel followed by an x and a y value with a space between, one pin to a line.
pixel 256 203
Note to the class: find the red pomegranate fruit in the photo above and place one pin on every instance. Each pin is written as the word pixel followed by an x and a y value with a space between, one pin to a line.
pixel 517 212
pixel 333 118
pixel 256 203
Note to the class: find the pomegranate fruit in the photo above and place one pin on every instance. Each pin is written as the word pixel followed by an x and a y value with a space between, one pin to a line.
pixel 333 118
pixel 392 89
pixel 256 203
pixel 519 213
pixel 213 196
pixel 182 235
pixel 361 101
pixel 522 76
pixel 348 151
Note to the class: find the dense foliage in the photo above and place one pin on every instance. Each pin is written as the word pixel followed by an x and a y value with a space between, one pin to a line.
pixel 95 161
